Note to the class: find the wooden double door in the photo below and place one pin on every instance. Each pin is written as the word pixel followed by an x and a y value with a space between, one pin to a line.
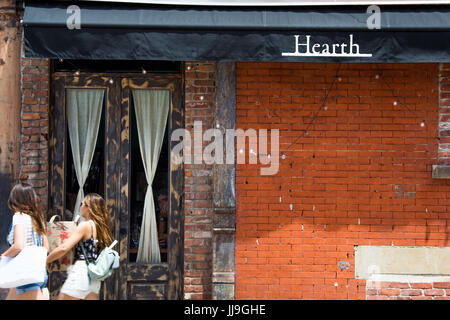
pixel 115 174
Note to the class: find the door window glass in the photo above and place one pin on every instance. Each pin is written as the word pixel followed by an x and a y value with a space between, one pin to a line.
pixel 85 144
pixel 139 185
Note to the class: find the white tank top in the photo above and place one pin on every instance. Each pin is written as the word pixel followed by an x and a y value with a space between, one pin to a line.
pixel 25 220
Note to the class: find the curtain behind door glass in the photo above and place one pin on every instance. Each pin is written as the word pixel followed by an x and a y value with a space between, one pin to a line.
pixel 152 109
pixel 84 110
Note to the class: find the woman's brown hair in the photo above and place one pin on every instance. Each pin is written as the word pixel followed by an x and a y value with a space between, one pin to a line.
pixel 24 199
pixel 99 214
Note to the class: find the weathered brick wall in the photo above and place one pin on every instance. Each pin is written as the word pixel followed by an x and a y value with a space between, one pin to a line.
pixel 381 290
pixel 361 175
pixel 34 126
pixel 199 106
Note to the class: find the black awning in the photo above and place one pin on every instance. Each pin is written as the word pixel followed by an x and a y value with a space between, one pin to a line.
pixel 188 33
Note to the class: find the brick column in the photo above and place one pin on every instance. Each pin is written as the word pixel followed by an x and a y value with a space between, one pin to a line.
pixel 34 126
pixel 199 104
pixel 444 114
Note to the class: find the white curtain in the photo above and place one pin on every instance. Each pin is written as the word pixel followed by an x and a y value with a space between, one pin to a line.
pixel 152 109
pixel 84 110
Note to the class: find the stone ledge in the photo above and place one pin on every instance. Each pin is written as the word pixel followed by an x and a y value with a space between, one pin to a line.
pixel 441 171
pixel 408 278
pixel 223 277
pixel 389 260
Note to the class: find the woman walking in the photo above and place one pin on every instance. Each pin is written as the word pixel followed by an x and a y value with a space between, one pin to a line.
pixel 27 229
pixel 94 235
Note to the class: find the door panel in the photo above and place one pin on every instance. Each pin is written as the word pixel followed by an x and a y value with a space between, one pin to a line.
pixel 142 280
pixel 58 146
pixel 145 291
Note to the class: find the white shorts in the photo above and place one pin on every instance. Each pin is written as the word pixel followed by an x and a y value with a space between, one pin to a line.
pixel 77 284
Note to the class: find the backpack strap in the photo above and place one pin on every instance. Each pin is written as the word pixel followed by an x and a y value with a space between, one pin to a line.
pixel 85 259
pixel 112 244
pixel 92 228
pixel 84 252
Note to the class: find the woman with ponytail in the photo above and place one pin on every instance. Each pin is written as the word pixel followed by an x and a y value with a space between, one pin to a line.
pixel 27 229
pixel 94 235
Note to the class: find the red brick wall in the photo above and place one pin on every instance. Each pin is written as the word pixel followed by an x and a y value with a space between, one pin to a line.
pixel 408 291
pixel 34 126
pixel 366 176
pixel 199 106
pixel 360 176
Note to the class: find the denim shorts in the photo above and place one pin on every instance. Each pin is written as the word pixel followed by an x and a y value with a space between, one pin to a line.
pixel 32 286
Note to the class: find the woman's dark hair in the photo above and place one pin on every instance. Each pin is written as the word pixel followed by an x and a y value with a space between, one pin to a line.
pixel 24 199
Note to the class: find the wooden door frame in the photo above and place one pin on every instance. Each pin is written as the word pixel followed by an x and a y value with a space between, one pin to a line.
pixel 172 271
pixel 57 146
pixel 117 173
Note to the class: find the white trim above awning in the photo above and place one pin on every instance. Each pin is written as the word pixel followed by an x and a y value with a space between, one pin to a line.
pixel 266 3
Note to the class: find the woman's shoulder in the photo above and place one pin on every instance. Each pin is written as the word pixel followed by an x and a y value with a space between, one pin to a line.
pixel 83 225
pixel 87 223
pixel 20 217
pixel 86 226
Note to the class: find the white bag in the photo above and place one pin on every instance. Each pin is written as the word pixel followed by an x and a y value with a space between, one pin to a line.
pixel 25 268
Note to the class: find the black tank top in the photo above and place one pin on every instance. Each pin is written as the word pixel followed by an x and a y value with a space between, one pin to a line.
pixel 89 247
